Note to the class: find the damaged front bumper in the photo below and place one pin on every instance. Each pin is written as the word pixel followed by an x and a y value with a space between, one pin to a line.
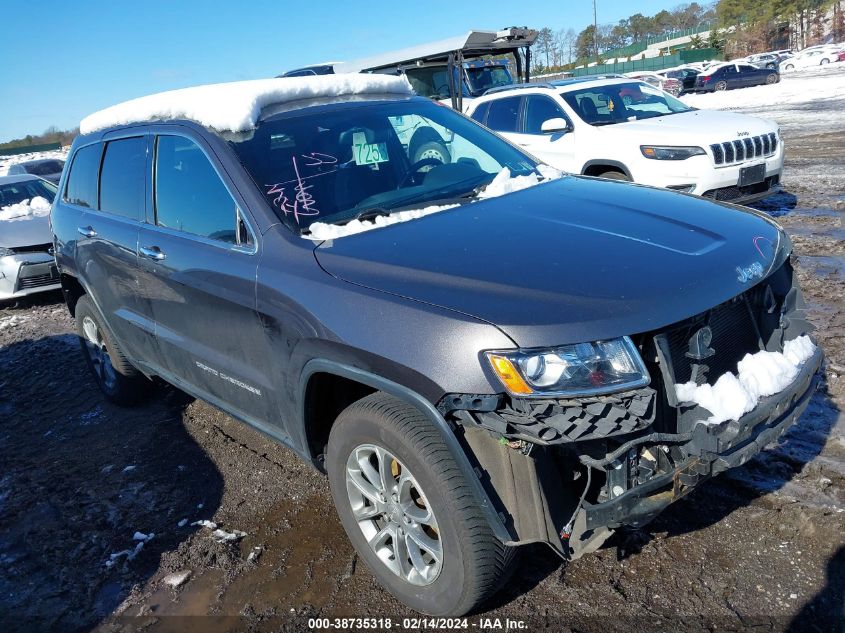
pixel 569 472
pixel 684 460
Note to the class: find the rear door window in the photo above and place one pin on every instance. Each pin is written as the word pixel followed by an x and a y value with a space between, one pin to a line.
pixel 82 180
pixel 189 194
pixel 504 114
pixel 122 177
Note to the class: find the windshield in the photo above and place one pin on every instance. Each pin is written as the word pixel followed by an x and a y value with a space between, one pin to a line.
pixel 622 102
pixel 482 79
pixel 430 81
pixel 332 163
pixel 15 192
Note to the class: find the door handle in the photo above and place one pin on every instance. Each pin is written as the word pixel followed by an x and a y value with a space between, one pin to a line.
pixel 86 231
pixel 152 252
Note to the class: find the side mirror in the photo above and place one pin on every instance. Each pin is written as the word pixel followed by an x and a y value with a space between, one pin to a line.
pixel 550 126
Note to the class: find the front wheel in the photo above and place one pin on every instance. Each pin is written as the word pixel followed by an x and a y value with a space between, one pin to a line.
pixel 789 67
pixel 770 79
pixel 824 61
pixel 408 510
pixel 614 175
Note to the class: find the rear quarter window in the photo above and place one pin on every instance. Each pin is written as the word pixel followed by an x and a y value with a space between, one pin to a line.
pixel 82 179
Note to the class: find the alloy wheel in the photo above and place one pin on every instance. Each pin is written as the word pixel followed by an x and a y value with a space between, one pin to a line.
pixel 394 514
pixel 97 352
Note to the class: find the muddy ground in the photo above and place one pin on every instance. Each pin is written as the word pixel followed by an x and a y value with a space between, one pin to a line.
pixel 761 548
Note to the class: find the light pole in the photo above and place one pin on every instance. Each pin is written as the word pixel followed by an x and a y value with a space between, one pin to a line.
pixel 595 33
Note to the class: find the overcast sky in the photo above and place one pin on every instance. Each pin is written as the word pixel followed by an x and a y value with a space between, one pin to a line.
pixel 65 59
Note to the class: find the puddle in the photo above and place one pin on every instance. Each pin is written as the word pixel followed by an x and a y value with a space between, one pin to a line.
pixel 823 266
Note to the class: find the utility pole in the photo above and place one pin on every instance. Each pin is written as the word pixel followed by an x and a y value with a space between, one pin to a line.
pixel 595 33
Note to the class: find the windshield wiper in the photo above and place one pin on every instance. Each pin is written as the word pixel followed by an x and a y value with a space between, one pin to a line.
pixel 371 213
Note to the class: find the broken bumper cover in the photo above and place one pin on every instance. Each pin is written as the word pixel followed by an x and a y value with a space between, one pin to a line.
pixel 710 450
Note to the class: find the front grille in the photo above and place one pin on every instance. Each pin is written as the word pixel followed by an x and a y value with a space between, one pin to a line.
pixel 729 194
pixel 745 149
pixel 37 281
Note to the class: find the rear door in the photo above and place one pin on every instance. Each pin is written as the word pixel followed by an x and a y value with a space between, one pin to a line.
pixel 503 117
pixel 114 205
pixel 199 255
pixel 751 75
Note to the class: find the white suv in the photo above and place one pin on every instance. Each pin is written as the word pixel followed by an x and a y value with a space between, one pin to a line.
pixel 628 130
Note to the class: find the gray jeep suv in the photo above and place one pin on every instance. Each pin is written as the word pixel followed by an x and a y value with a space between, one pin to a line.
pixel 473 371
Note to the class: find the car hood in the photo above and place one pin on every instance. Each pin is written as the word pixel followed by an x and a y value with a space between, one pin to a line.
pixel 572 260
pixel 696 127
pixel 27 231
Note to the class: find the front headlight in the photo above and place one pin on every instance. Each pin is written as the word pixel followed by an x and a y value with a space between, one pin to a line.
pixel 667 152
pixel 581 369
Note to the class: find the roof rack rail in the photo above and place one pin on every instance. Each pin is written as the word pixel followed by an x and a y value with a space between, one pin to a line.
pixel 519 87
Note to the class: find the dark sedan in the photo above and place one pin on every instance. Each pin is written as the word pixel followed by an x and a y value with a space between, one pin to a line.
pixel 734 76
pixel 47 168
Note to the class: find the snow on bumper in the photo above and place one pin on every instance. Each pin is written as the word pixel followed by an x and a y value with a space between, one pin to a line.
pixel 706 451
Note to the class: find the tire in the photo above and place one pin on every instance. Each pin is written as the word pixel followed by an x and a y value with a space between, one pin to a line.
pixel 432 149
pixel 824 61
pixel 771 79
pixel 614 175
pixel 789 67
pixel 119 381
pixel 381 430
pixel 720 86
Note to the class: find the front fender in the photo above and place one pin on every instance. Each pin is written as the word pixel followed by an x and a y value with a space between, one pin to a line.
pixel 320 365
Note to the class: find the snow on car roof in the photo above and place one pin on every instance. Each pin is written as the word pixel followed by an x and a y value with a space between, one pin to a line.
pixel 236 106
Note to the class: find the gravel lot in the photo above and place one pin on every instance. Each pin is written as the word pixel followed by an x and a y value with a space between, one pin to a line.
pixel 761 548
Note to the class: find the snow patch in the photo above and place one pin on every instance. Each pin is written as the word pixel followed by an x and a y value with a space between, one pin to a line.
pixel 825 83
pixel 177 578
pixel 505 182
pixel 130 554
pixel 7 161
pixel 218 534
pixel 236 106
pixel 222 536
pixel 26 209
pixel 12 321
pixel 759 375
pixel 322 231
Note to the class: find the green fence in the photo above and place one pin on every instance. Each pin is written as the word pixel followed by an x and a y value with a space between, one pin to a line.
pixel 11 151
pixel 638 47
pixel 652 63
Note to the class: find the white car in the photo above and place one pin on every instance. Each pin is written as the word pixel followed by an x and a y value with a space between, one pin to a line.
pixel 810 58
pixel 629 130
pixel 26 250
pixel 669 84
